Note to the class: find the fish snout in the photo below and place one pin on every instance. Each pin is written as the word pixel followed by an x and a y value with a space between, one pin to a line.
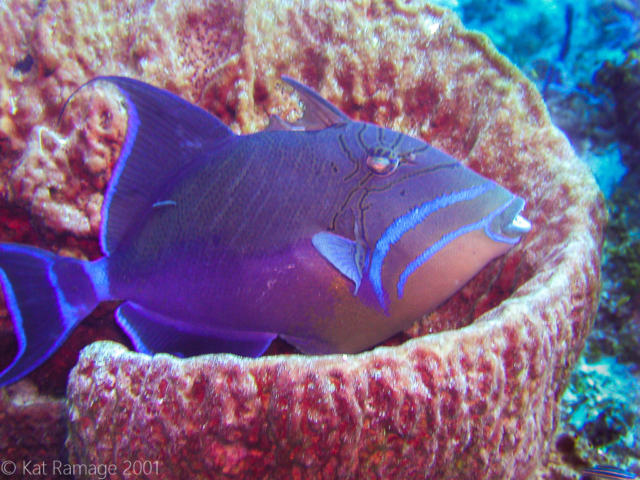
pixel 510 223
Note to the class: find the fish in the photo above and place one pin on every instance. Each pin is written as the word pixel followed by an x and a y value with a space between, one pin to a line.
pixel 605 471
pixel 329 233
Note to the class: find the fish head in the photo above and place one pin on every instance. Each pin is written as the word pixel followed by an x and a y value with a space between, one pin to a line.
pixel 429 223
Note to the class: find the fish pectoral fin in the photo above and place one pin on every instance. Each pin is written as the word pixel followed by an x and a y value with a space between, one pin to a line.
pixel 344 254
pixel 153 333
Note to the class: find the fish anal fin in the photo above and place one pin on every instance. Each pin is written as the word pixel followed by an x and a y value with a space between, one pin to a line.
pixel 152 333
pixel 309 345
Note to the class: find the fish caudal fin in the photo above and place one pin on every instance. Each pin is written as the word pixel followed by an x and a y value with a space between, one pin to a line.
pixel 47 296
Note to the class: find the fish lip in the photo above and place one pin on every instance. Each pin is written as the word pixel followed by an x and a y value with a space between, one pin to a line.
pixel 518 225
pixel 506 224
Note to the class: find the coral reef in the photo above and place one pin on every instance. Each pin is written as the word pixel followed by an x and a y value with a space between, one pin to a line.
pixel 528 32
pixel 475 399
pixel 599 414
pixel 620 305
pixel 623 81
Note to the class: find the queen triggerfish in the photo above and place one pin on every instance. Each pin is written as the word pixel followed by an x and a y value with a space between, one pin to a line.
pixel 330 233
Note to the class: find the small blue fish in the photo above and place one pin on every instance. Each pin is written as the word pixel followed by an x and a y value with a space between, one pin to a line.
pixel 605 471
pixel 332 234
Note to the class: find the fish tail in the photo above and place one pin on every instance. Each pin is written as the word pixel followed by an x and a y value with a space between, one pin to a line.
pixel 47 296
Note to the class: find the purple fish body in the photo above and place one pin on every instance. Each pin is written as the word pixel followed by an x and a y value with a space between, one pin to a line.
pixel 330 233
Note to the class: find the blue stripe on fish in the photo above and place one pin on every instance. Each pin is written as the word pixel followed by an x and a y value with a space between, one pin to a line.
pixel 130 330
pixel 12 306
pixel 605 471
pixel 449 237
pixel 79 286
pixel 96 271
pixel 406 222
pixel 133 123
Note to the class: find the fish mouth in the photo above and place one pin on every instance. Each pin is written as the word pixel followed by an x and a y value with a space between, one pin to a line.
pixel 510 224
pixel 518 227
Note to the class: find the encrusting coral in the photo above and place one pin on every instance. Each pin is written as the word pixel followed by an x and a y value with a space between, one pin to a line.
pixel 469 392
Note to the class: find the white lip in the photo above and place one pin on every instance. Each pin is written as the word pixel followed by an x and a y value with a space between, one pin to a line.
pixel 518 226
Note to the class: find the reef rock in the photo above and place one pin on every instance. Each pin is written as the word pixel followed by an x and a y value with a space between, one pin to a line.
pixel 32 433
pixel 469 392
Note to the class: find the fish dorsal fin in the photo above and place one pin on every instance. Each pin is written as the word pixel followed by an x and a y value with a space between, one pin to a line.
pixel 277 123
pixel 344 254
pixel 164 133
pixel 318 113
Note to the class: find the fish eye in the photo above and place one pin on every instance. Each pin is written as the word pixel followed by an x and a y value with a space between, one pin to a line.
pixel 382 165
